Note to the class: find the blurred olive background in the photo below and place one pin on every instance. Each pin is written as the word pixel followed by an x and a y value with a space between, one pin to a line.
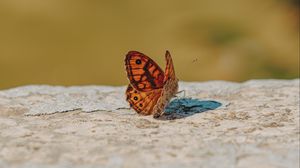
pixel 81 42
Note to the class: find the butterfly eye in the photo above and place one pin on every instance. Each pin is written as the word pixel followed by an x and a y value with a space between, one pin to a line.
pixel 135 98
pixel 138 61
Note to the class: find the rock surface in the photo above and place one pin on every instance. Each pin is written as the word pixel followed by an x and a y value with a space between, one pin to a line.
pixel 216 124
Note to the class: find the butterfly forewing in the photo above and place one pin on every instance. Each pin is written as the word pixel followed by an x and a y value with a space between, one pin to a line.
pixel 169 71
pixel 170 87
pixel 143 73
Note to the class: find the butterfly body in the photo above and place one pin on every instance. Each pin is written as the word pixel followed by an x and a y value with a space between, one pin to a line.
pixel 150 88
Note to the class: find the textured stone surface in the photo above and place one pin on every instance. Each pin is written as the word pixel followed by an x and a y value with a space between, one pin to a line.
pixel 216 124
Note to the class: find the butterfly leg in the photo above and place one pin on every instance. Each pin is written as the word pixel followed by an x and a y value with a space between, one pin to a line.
pixel 182 91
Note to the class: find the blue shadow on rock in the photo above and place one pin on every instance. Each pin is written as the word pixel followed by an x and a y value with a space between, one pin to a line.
pixel 185 107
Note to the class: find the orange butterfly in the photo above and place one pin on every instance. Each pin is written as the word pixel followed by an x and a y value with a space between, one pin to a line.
pixel 150 88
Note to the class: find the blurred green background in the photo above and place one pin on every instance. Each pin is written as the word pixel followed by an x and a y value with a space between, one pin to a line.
pixel 80 42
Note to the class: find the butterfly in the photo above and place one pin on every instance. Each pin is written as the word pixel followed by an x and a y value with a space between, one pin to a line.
pixel 150 88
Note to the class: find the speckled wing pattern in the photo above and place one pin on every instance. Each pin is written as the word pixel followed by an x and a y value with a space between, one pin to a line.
pixel 150 89
pixel 170 87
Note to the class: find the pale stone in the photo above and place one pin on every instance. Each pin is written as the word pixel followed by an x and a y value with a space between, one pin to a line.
pixel 216 124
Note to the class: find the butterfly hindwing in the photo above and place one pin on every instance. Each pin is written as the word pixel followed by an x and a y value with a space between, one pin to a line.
pixel 143 73
pixel 142 102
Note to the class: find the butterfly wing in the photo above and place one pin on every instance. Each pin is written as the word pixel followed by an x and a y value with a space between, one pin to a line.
pixel 169 90
pixel 142 102
pixel 169 71
pixel 144 74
